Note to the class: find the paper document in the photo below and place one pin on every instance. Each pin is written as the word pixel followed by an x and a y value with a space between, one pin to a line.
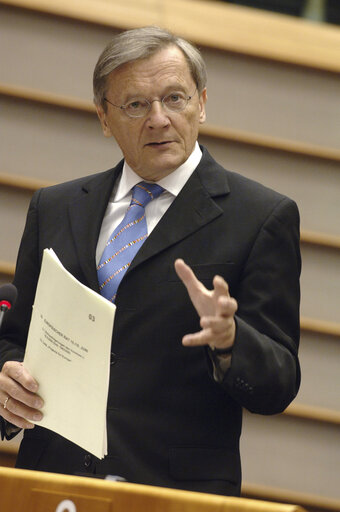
pixel 68 353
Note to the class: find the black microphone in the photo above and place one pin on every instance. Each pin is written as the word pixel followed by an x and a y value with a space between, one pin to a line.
pixel 8 296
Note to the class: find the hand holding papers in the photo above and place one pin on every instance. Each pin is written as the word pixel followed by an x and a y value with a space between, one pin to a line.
pixel 68 353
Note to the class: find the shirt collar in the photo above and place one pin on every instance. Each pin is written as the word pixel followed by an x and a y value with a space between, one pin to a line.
pixel 173 183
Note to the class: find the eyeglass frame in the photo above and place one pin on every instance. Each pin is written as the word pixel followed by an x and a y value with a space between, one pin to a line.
pixel 161 100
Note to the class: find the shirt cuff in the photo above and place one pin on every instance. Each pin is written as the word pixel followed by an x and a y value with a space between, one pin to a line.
pixel 221 364
pixel 8 430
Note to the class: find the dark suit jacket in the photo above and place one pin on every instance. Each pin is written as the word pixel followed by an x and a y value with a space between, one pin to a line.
pixel 169 422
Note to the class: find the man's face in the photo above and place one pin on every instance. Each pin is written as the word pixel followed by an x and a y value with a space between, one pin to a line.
pixel 156 144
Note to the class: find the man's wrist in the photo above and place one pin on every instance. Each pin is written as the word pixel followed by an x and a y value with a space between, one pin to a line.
pixel 222 351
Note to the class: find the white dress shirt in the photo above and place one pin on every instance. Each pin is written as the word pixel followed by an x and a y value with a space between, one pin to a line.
pixel 122 193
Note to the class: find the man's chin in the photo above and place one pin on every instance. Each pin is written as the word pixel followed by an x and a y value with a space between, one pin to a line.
pixel 158 168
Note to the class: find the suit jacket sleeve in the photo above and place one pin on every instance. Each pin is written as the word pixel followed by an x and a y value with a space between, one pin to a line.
pixel 17 320
pixel 13 341
pixel 264 375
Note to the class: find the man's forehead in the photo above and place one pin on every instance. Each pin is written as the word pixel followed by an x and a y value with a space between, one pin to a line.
pixel 168 62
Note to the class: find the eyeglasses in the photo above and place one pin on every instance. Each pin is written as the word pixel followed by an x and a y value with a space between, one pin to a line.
pixel 139 107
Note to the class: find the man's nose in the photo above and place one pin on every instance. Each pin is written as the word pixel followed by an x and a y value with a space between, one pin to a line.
pixel 157 117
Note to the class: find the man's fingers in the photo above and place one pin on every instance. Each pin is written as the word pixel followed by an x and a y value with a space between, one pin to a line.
pixel 197 339
pixel 216 331
pixel 19 403
pixel 16 412
pixel 201 298
pixel 226 306
pixel 206 337
pixel 18 372
pixel 217 325
pixel 18 421
pixel 19 414
pixel 221 285
pixel 20 410
pixel 215 307
pixel 11 389
pixel 187 276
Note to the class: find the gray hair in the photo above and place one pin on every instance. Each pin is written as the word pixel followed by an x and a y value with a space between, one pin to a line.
pixel 141 43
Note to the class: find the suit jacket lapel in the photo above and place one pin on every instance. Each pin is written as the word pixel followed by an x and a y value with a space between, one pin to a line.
pixel 86 213
pixel 193 208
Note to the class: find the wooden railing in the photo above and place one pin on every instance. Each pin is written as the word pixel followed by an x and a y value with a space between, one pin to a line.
pixel 31 184
pixel 307 324
pixel 320 326
pixel 312 413
pixel 8 453
pixel 213 24
pixel 308 501
pixel 208 130
pixel 7 269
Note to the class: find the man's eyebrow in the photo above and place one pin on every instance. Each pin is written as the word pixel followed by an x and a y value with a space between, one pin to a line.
pixel 169 88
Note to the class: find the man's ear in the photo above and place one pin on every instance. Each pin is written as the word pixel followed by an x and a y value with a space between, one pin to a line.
pixel 103 121
pixel 202 101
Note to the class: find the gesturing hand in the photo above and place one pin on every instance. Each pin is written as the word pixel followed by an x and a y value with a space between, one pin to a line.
pixel 215 307
pixel 18 398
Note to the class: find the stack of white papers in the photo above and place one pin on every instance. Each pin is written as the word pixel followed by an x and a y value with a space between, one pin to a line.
pixel 68 353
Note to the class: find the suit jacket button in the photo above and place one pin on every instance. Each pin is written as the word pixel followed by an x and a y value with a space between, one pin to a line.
pixel 87 460
pixel 113 358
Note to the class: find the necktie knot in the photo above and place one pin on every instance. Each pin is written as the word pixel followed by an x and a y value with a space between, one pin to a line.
pixel 144 192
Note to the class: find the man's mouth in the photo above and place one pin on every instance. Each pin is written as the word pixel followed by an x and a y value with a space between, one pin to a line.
pixel 162 143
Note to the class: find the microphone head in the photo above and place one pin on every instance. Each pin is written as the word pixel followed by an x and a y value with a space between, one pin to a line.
pixel 8 295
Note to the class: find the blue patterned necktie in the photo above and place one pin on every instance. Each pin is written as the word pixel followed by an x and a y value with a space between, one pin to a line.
pixel 126 240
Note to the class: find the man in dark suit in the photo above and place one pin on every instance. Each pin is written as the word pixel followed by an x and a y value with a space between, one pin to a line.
pixel 207 318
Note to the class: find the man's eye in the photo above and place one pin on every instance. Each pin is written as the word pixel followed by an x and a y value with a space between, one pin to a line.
pixel 133 105
pixel 175 98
